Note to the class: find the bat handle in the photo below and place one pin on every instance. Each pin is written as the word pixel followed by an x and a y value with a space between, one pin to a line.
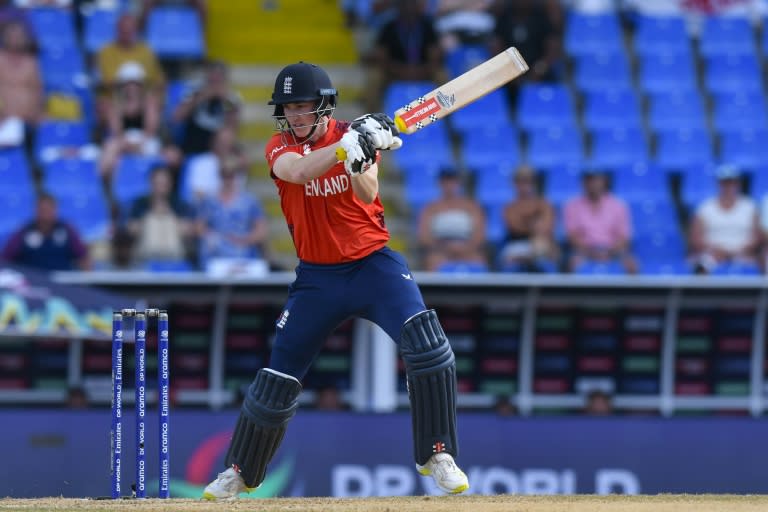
pixel 341 155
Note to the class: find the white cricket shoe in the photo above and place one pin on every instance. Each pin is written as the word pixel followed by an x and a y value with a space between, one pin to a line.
pixel 445 472
pixel 227 486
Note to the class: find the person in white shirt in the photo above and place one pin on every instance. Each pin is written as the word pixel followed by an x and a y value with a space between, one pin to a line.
pixel 725 229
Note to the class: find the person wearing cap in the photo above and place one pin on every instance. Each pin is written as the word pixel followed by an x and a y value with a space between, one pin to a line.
pixel 452 228
pixel 133 120
pixel 529 244
pixel 598 225
pixel 724 233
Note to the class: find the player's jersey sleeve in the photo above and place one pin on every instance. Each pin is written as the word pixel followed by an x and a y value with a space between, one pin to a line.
pixel 275 148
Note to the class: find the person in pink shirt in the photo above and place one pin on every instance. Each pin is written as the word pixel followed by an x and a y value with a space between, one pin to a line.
pixel 598 225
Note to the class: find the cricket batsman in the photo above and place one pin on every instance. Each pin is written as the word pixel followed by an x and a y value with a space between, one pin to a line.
pixel 345 269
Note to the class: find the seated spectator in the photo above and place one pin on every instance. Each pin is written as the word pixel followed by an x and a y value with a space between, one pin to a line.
pixel 231 224
pixel 21 85
pixel 406 49
pixel 529 245
pixel 464 21
pixel 535 29
pixel 328 398
pixel 47 242
pixel 504 407
pixel 10 13
pixel 598 225
pixel 452 228
pixel 207 110
pixel 133 118
pixel 203 171
pixel 128 48
pixel 161 225
pixel 148 5
pixel 598 403
pixel 77 398
pixel 121 252
pixel 725 230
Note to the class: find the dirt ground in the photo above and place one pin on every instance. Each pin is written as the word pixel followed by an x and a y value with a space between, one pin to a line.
pixel 660 503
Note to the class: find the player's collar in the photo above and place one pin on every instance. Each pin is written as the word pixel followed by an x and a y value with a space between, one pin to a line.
pixel 326 138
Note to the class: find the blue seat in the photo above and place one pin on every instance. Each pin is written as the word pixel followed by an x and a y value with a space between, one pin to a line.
pixel 665 268
pixel 759 185
pixel 640 181
pixel 168 266
pixel 15 172
pixel 588 33
pixel 654 215
pixel 495 230
pixel 86 211
pixel 733 74
pixel 59 135
pixel 601 71
pixel 683 148
pixel 666 247
pixel 72 176
pixel 617 147
pixel 597 268
pixel 430 145
pixel 611 109
pixel 562 183
pixel 726 35
pixel 399 94
pixel 462 267
pixel 555 146
pixel 465 57
pixel 742 110
pixel 667 72
pixel 486 146
pixel 490 110
pixel 420 186
pixel 18 209
pixel 544 106
pixel 746 148
pixel 493 184
pixel 661 34
pixel 736 269
pixel 100 28
pixel 175 33
pixel 63 66
pixel 676 111
pixel 698 183
pixel 131 178
pixel 54 28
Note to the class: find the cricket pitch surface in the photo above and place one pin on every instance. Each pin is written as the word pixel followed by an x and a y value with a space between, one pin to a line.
pixel 502 503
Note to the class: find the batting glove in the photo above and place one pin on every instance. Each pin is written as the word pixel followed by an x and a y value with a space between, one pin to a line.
pixel 380 128
pixel 360 150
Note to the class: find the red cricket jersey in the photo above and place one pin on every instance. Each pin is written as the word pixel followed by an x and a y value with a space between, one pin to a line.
pixel 327 221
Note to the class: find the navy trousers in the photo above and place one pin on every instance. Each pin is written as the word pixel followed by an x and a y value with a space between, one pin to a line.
pixel 379 287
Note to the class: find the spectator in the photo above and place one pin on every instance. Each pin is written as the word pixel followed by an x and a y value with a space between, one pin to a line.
pixel 598 403
pixel 128 48
pixel 148 5
pixel 464 21
pixel 47 242
pixel 77 398
pixel 504 407
pixel 207 110
pixel 725 229
pixel 598 225
pixel 529 244
pixel 9 13
pixel 407 48
pixel 21 86
pixel 121 252
pixel 328 398
pixel 133 118
pixel 452 228
pixel 161 225
pixel 203 171
pixel 231 225
pixel 534 28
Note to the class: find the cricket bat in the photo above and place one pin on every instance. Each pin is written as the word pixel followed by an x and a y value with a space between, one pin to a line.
pixel 459 92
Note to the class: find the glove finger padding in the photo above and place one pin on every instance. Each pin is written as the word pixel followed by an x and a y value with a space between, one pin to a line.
pixel 380 128
pixel 360 150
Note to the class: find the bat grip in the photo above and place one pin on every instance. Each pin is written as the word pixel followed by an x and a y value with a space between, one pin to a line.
pixel 341 155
